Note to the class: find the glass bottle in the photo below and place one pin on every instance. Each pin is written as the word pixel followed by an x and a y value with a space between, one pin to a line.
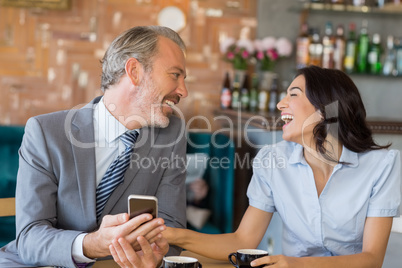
pixel 302 47
pixel 359 2
pixel 263 95
pixel 236 93
pixel 245 93
pixel 226 93
pixel 398 47
pixel 273 94
pixel 283 91
pixel 339 52
pixel 350 50
pixel 254 93
pixel 374 55
pixel 328 42
pixel 389 62
pixel 362 49
pixel 315 49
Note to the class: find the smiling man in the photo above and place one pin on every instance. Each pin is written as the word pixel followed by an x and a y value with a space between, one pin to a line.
pixel 77 170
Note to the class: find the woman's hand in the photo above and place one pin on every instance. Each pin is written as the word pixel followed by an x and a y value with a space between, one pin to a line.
pixel 278 261
pixel 151 255
pixel 169 234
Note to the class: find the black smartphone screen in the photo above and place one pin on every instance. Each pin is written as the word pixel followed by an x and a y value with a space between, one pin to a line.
pixel 142 204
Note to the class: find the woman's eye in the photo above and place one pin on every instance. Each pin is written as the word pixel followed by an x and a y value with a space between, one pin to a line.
pixel 293 95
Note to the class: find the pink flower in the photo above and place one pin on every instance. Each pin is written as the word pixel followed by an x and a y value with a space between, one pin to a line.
pixel 284 47
pixel 260 55
pixel 245 54
pixel 268 43
pixel 230 55
pixel 247 44
pixel 258 45
pixel 226 43
pixel 240 53
pixel 269 50
pixel 272 54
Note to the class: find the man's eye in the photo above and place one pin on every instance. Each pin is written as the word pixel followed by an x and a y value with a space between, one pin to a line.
pixel 176 75
pixel 293 95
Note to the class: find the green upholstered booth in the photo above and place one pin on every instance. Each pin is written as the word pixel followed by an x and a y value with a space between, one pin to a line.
pixel 10 142
pixel 219 176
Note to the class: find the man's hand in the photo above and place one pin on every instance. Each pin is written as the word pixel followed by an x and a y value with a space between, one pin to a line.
pixel 151 255
pixel 96 244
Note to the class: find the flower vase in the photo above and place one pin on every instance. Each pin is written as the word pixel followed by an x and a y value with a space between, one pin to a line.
pixel 238 75
pixel 266 79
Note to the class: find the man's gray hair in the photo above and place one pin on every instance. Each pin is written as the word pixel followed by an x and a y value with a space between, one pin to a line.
pixel 139 42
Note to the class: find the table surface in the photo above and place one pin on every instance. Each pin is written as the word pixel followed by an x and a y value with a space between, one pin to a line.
pixel 206 262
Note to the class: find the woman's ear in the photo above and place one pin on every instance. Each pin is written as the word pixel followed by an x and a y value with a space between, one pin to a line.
pixel 133 70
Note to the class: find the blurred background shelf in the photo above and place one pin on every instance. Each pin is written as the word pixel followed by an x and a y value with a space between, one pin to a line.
pixel 272 122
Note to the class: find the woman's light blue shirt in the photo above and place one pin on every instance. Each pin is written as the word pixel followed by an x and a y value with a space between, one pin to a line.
pixel 332 224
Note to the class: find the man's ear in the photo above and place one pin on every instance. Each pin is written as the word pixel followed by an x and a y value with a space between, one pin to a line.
pixel 133 70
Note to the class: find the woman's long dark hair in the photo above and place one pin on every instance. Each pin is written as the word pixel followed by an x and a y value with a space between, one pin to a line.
pixel 334 94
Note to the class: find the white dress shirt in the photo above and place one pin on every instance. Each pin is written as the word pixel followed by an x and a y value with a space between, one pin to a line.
pixel 107 131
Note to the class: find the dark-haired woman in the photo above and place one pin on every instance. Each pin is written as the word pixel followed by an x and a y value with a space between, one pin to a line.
pixel 335 189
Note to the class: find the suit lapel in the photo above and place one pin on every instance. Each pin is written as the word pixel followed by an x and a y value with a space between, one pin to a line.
pixel 142 149
pixel 83 145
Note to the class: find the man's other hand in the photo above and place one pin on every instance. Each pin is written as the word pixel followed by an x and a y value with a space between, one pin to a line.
pixel 150 255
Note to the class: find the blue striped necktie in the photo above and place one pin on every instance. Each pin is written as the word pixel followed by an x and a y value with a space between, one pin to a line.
pixel 115 173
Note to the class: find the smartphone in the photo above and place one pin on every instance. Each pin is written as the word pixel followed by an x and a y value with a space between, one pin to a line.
pixel 139 204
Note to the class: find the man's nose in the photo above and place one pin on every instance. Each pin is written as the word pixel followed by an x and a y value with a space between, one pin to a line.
pixel 182 89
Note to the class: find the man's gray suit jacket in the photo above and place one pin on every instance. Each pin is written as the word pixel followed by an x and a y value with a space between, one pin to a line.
pixel 56 184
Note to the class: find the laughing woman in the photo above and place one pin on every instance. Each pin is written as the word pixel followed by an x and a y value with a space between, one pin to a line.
pixel 335 189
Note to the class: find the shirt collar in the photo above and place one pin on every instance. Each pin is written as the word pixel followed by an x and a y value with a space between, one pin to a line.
pixel 297 154
pixel 109 127
pixel 350 157
pixel 347 156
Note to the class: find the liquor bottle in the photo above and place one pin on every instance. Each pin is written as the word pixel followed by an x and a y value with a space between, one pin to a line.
pixel 398 48
pixel 380 3
pixel 245 93
pixel 283 91
pixel 273 94
pixel 263 95
pixel 362 49
pixel 226 93
pixel 359 3
pixel 389 67
pixel 302 47
pixel 374 55
pixel 236 94
pixel 350 51
pixel 254 93
pixel 328 43
pixel 339 52
pixel 315 49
